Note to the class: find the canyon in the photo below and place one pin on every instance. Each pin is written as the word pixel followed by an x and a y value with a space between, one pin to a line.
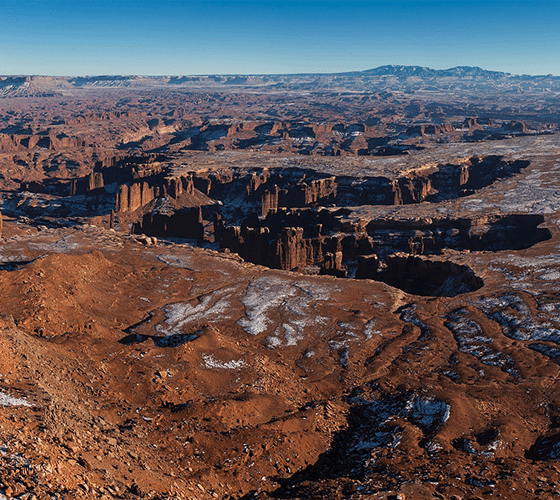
pixel 280 286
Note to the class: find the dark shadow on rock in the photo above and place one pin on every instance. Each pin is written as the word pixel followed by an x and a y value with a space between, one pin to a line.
pixel 167 341
pixel 14 266
pixel 545 448
pixel 372 431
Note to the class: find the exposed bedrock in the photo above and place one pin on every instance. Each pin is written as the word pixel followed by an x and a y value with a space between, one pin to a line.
pixel 431 236
pixel 279 239
pixel 136 195
pixel 432 184
pixel 422 130
pixel 278 245
pixel 273 217
pixel 91 184
pixel 265 190
pixel 47 140
pixel 143 179
pixel 181 223
pixel 297 239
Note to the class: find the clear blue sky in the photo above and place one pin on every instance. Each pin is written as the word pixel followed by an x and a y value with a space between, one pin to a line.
pixel 160 37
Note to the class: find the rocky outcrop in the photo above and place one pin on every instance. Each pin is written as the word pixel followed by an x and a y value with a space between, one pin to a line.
pixel 423 130
pixel 91 184
pixel 135 195
pixel 332 265
pixel 47 140
pixel 182 223
pixel 303 194
pixel 425 236
pixel 368 266
pixel 266 191
pixel 275 222
pixel 132 197
pixel 408 190
pixel 301 238
pixel 294 251
pixel 434 183
pixel 517 127
pixel 280 245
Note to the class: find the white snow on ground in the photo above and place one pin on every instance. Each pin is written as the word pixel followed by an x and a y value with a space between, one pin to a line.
pixel 550 275
pixel 292 302
pixel 209 308
pixel 549 311
pixel 274 340
pixel 294 331
pixel 182 261
pixel 262 295
pixel 370 330
pixel 211 362
pixel 7 400
pixel 428 413
pixel 61 246
pixel 520 272
pixel 531 194
pixel 517 320
pixel 475 205
pixel 471 340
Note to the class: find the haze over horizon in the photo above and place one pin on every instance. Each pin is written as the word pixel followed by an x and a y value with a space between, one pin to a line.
pixel 173 37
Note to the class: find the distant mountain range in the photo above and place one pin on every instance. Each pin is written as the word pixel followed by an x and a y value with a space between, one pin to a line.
pixel 380 78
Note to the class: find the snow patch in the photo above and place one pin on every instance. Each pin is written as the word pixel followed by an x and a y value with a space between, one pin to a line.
pixel 7 400
pixel 370 330
pixel 211 362
pixel 181 261
pixel 471 340
pixel 210 308
pixel 294 303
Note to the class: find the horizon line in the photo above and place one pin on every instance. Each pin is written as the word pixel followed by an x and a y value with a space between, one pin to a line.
pixel 322 73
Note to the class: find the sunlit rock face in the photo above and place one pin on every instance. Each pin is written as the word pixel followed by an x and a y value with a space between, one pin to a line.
pixel 225 287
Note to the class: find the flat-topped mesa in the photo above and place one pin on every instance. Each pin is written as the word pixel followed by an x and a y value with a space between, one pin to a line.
pixel 120 169
pixel 303 194
pixel 431 183
pixel 451 181
pixel 47 140
pixel 267 190
pixel 426 236
pixel 126 161
pixel 428 129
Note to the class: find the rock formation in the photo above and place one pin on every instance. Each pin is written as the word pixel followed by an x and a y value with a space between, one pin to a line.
pixel 335 286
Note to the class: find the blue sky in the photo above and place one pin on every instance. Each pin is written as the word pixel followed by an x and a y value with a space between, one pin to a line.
pixel 92 37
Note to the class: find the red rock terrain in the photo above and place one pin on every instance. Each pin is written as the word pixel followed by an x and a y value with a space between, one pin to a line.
pixel 187 316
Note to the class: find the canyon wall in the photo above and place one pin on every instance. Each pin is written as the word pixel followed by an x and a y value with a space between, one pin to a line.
pixel 182 223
